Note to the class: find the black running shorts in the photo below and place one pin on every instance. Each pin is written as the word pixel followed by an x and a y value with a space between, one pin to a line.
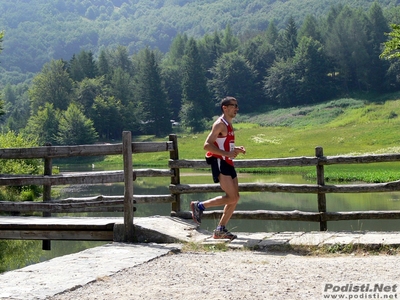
pixel 220 166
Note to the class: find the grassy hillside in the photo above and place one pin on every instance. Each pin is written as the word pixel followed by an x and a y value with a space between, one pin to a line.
pixel 345 126
pixel 341 127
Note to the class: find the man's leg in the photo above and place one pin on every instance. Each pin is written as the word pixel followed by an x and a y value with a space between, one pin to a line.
pixel 231 188
pixel 229 200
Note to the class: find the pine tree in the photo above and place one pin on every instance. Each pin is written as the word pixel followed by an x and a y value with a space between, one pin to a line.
pixel 311 71
pixel 310 29
pixel 229 43
pixel 103 65
pixel 271 34
pixel 378 67
pixel 82 66
pixel 196 102
pixel 286 42
pixel 151 93
pixel 210 48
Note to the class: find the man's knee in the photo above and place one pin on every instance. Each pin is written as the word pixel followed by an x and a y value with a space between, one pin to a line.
pixel 233 199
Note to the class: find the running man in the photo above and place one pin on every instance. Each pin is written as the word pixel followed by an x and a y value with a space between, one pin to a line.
pixel 221 150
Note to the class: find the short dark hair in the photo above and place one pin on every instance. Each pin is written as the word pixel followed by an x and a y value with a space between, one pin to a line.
pixel 226 101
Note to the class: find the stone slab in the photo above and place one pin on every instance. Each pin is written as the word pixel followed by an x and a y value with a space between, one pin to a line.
pixel 310 238
pixel 380 238
pixel 68 272
pixel 161 229
pixel 342 239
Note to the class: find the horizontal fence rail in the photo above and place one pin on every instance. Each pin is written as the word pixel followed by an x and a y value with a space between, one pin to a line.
pixel 290 161
pixel 290 188
pixel 82 150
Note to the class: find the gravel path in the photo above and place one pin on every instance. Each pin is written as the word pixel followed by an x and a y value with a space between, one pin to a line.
pixel 243 275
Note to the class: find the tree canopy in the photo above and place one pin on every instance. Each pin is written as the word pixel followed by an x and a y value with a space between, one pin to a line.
pixel 59 29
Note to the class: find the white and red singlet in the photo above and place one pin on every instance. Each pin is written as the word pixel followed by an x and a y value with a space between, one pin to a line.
pixel 226 143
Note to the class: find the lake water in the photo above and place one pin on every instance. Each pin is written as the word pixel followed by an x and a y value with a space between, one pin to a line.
pixel 248 201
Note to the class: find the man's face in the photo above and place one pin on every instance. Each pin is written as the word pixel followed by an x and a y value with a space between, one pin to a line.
pixel 232 109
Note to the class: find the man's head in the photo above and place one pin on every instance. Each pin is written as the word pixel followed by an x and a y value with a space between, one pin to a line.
pixel 227 101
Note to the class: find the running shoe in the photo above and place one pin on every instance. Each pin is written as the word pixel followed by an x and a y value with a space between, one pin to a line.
pixel 224 234
pixel 197 213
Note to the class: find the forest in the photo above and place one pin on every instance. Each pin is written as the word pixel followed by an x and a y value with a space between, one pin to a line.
pixel 60 28
pixel 95 94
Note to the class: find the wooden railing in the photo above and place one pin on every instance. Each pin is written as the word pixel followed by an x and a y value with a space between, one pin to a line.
pixel 101 203
pixel 125 203
pixel 319 188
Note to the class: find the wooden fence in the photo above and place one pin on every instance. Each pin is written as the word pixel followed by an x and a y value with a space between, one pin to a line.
pixel 125 203
pixel 319 188
pixel 101 203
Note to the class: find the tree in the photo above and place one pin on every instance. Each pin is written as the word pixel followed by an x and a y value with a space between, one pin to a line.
pixel 391 48
pixel 311 74
pixel 391 52
pixel 74 128
pixel 261 55
pixel 44 125
pixel 210 48
pixel 87 90
pixel 121 85
pixel 286 42
pixel 103 65
pixel 196 100
pixel 176 50
pixel 171 72
pixel 310 29
pixel 234 76
pixel 123 90
pixel 281 83
pixel 172 75
pixel 151 93
pixel 377 67
pixel 229 42
pixel 16 107
pixel 119 58
pixel 107 117
pixel 82 66
pixel 271 33
pixel 18 166
pixel 347 46
pixel 52 85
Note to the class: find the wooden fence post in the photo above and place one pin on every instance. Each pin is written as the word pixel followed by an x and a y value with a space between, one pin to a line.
pixel 176 179
pixel 129 229
pixel 319 152
pixel 48 166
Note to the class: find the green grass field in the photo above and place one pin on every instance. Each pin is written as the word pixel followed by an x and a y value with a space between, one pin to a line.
pixel 341 127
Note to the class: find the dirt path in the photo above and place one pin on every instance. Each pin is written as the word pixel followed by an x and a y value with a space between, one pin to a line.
pixel 244 275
